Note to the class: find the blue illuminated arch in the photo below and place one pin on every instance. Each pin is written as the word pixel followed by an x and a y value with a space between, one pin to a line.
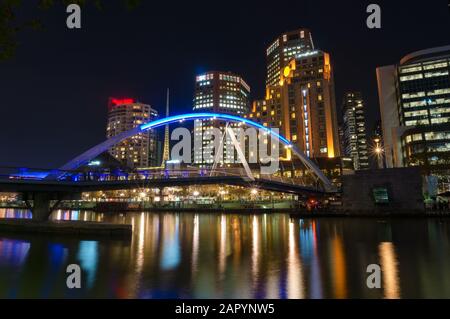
pixel 87 156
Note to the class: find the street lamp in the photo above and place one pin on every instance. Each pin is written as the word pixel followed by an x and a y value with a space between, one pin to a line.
pixel 378 151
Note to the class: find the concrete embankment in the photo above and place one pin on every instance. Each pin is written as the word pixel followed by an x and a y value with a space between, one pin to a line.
pixel 372 214
pixel 73 228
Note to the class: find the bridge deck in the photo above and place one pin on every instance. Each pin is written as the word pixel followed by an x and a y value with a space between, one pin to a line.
pixel 17 185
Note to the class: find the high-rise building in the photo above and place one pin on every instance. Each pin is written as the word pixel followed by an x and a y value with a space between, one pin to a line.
pixel 140 150
pixel 302 105
pixel 220 92
pixel 415 111
pixel 284 49
pixel 354 129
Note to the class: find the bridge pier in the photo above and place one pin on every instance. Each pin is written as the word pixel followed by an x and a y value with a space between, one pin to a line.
pixel 41 209
pixel 42 206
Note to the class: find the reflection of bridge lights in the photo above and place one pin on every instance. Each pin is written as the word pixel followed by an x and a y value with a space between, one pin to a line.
pixel 196 193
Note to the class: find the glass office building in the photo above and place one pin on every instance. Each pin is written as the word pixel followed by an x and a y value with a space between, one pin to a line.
pixel 415 108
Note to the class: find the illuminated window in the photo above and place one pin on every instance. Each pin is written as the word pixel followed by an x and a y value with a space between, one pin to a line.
pixel 411 77
pixel 380 195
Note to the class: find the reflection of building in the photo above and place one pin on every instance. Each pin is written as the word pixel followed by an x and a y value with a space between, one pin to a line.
pixel 354 130
pixel 302 105
pixel 415 111
pixel 283 50
pixel 220 92
pixel 141 149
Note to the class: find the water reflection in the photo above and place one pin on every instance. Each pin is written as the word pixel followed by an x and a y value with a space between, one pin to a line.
pixel 388 261
pixel 15 213
pixel 232 256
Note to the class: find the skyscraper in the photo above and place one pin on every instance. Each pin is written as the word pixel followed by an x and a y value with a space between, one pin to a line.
pixel 284 49
pixel 415 111
pixel 221 92
pixel 302 105
pixel 140 150
pixel 354 129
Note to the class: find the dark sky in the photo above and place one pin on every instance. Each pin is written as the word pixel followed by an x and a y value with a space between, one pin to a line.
pixel 54 90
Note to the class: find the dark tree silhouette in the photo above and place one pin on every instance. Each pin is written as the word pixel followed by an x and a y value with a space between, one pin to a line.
pixel 10 26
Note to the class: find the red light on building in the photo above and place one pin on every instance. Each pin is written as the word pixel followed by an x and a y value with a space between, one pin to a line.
pixel 115 102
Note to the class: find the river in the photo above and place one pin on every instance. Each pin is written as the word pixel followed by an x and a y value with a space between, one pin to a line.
pixel 210 255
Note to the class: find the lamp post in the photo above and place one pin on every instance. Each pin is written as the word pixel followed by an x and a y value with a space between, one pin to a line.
pixel 378 151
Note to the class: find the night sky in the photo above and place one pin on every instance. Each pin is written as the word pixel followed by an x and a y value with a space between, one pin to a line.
pixel 54 91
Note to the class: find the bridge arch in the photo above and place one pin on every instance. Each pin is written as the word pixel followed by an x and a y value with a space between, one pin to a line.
pixel 106 145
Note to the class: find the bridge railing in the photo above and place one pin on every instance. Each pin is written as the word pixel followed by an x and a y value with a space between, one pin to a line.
pixel 13 173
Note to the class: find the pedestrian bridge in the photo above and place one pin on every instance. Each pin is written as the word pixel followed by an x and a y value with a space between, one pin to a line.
pixel 72 179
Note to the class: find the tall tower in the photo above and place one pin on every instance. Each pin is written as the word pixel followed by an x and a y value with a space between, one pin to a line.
pixel 166 152
pixel 302 105
pixel 284 49
pixel 414 100
pixel 220 92
pixel 354 129
pixel 123 115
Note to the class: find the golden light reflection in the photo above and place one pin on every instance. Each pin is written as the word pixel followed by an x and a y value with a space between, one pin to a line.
pixel 389 268
pixel 195 246
pixel 339 269
pixel 295 285
pixel 223 246
pixel 140 254
pixel 255 251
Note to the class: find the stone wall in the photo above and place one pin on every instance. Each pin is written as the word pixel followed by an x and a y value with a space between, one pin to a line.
pixel 403 186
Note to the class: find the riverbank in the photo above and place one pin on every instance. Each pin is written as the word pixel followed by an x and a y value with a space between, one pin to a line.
pixel 73 228
pixel 331 212
pixel 371 214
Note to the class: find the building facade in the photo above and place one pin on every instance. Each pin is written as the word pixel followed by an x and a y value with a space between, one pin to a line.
pixel 219 92
pixel 140 150
pixel 354 130
pixel 415 112
pixel 283 50
pixel 302 105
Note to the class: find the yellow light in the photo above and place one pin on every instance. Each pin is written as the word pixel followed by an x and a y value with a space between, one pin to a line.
pixel 287 71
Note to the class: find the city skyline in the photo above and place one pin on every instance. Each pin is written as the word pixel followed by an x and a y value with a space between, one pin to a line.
pixel 51 106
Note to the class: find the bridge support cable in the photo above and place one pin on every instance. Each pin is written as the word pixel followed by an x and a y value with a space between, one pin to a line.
pixel 219 152
pixel 84 158
pixel 240 153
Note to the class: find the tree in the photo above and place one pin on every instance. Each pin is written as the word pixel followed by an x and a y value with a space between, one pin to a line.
pixel 10 26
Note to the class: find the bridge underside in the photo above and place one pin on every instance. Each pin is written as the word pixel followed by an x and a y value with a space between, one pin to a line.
pixel 43 192
pixel 60 188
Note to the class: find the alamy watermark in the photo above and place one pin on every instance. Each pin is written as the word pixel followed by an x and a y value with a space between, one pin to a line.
pixel 73 281
pixel 374 19
pixel 229 145
pixel 73 21
pixel 373 281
